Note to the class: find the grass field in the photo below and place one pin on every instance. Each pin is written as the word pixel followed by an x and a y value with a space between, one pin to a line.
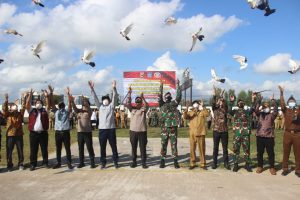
pixel 152 133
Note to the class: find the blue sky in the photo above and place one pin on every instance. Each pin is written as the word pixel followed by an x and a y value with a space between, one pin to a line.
pixel 254 36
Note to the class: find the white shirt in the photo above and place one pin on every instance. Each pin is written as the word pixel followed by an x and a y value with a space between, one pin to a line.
pixel 38 123
pixel 94 116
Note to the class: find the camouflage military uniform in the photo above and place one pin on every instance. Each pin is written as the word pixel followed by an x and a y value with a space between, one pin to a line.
pixel 241 126
pixel 169 121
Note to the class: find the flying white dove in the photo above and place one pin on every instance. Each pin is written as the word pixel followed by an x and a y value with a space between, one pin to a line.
pixel 126 31
pixel 294 67
pixel 261 5
pixel 37 49
pixel 170 21
pixel 195 37
pixel 12 31
pixel 87 56
pixel 215 77
pixel 1 61
pixel 242 60
pixel 38 2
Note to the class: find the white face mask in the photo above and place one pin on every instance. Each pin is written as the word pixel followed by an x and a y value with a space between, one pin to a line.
pixel 105 102
pixel 292 104
pixel 266 110
pixel 14 108
pixel 195 105
pixel 38 106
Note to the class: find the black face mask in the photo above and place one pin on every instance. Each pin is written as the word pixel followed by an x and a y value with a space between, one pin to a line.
pixel 168 99
pixel 241 105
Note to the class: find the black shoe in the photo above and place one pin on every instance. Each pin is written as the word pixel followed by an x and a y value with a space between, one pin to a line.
pixel 58 165
pixel 133 164
pixel 227 166
pixel 297 174
pixel 269 12
pixel 116 165
pixel 93 164
pixel 32 168
pixel 21 167
pixel 214 166
pixel 248 168
pixel 162 164
pixel 103 165
pixel 70 166
pixel 144 166
pixel 9 169
pixel 285 172
pixel 46 166
pixel 204 168
pixel 81 165
pixel 176 165
pixel 191 167
pixel 235 168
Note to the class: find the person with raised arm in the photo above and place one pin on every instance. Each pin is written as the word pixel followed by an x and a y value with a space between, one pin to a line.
pixel 14 132
pixel 38 125
pixel 291 136
pixel 62 129
pixel 84 129
pixel 138 127
pixel 107 126
pixel 169 121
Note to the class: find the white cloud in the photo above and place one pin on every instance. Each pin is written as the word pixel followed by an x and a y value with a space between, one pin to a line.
pixel 68 29
pixel 277 63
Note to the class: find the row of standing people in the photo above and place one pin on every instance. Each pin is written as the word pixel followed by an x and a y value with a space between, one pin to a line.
pixel 169 120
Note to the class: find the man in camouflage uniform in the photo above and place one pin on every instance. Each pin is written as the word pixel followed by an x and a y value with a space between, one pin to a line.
pixel 241 126
pixel 169 122
pixel 153 118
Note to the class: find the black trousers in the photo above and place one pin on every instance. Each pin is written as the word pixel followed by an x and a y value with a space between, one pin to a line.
pixel 60 138
pixel 36 139
pixel 263 143
pixel 11 142
pixel 85 138
pixel 110 135
pixel 141 139
pixel 223 136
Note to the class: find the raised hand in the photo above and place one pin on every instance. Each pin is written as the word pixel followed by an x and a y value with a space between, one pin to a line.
pixel 68 91
pixel 280 88
pixel 232 98
pixel 46 94
pixel 91 84
pixel 178 82
pixel 142 95
pixel 272 97
pixel 130 89
pixel 161 83
pixel 51 89
pixel 114 83
pixel 6 97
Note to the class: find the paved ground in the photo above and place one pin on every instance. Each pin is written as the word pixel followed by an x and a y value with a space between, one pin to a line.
pixel 152 183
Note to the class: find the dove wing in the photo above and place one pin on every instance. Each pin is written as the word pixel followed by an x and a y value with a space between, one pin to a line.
pixel 213 74
pixel 39 47
pixel 193 44
pixel 128 29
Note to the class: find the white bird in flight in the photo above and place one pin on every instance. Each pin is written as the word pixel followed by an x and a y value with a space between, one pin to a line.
pixel 38 2
pixel 261 5
pixel 195 37
pixel 295 67
pixel 38 48
pixel 126 31
pixel 170 21
pixel 215 77
pixel 87 56
pixel 242 60
pixel 12 31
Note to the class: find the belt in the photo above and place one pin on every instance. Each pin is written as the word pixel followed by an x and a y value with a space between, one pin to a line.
pixel 293 131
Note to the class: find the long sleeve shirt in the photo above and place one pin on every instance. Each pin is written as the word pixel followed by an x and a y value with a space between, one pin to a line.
pixel 291 116
pixel 220 117
pixel 138 117
pixel 14 121
pixel 169 113
pixel 265 127
pixel 84 124
pixel 197 121
pixel 106 113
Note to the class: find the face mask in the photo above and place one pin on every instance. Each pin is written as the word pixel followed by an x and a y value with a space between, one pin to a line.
pixel 195 105
pixel 14 108
pixel 266 110
pixel 168 98
pixel 105 102
pixel 241 105
pixel 292 104
pixel 38 106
